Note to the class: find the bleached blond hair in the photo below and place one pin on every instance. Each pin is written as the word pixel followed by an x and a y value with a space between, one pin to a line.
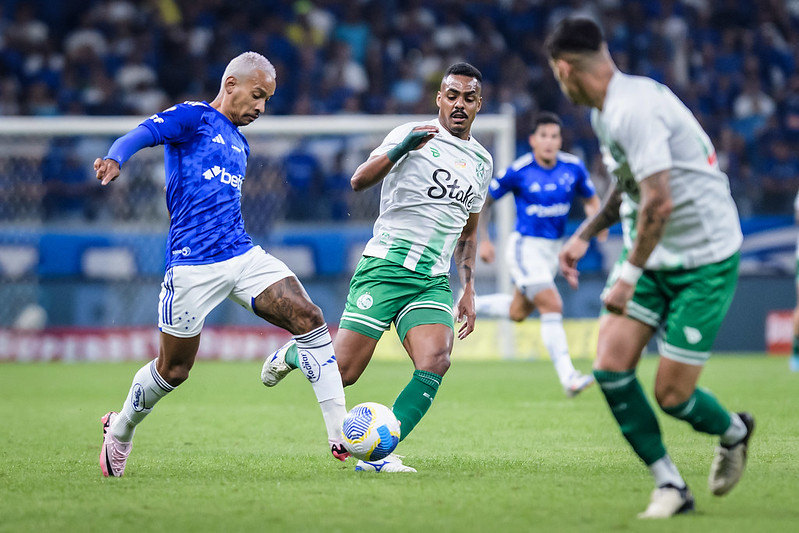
pixel 245 64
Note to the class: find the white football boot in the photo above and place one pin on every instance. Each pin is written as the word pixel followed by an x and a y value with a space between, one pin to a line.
pixel 392 463
pixel 577 383
pixel 730 461
pixel 668 501
pixel 275 367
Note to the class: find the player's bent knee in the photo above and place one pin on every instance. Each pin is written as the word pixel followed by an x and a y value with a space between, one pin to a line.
pixel 175 375
pixel 437 363
pixel 349 373
pixel 308 318
pixel 517 316
pixel 668 396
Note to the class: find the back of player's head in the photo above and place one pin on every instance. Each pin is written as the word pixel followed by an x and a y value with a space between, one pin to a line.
pixel 546 117
pixel 245 64
pixel 574 35
pixel 464 69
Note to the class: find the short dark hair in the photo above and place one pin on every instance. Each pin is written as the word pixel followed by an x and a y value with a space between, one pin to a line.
pixel 574 34
pixel 464 69
pixel 546 117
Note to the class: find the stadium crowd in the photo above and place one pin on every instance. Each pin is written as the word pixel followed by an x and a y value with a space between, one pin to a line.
pixel 735 63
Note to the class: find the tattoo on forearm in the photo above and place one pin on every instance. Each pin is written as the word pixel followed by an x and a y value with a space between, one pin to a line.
pixel 605 218
pixel 653 216
pixel 465 253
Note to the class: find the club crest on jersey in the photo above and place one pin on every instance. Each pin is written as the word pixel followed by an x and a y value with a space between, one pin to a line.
pixel 365 301
pixel 450 190
pixel 480 172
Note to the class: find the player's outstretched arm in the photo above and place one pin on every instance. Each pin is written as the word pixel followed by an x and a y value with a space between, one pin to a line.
pixel 577 245
pixel 465 253
pixel 374 169
pixel 107 168
pixel 656 206
pixel 591 206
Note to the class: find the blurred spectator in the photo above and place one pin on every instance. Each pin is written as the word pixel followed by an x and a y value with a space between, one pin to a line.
pixel 303 175
pixel 9 97
pixel 734 62
pixel 752 108
pixel 780 172
pixel 68 184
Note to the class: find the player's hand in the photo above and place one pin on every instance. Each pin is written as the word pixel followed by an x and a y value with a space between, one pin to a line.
pixel 416 138
pixel 616 298
pixel 572 251
pixel 466 313
pixel 106 170
pixel 486 251
pixel 602 236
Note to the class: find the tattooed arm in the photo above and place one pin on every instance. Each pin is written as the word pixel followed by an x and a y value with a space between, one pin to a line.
pixel 605 217
pixel 577 245
pixel 465 251
pixel 653 214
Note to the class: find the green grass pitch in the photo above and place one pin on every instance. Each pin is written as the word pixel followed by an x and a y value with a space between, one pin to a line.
pixel 501 450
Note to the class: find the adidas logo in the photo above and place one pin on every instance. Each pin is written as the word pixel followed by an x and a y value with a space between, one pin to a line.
pixel 219 139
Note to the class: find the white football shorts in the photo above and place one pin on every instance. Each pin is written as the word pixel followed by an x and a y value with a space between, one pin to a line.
pixel 532 261
pixel 190 292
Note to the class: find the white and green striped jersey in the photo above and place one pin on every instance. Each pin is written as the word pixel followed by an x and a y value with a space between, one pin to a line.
pixel 643 128
pixel 426 199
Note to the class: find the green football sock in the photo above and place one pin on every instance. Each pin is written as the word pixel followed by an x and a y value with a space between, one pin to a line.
pixel 632 411
pixel 703 411
pixel 292 356
pixel 795 346
pixel 415 399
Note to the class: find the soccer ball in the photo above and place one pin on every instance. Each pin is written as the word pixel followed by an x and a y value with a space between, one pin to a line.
pixel 370 431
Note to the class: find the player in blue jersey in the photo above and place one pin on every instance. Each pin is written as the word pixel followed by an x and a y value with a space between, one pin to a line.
pixel 210 257
pixel 544 183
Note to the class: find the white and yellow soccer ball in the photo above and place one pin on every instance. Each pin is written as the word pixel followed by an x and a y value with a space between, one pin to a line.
pixel 370 431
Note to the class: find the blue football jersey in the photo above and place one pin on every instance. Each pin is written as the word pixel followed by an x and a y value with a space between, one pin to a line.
pixel 543 195
pixel 205 158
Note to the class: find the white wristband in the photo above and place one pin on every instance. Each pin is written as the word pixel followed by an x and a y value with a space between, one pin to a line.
pixel 630 273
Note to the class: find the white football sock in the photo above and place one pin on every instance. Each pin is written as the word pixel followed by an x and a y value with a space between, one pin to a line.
pixel 333 411
pixel 493 305
pixel 554 337
pixel 148 387
pixel 318 362
pixel 664 472
pixel 736 432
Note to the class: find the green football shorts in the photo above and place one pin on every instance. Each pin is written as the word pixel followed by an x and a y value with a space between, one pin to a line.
pixel 690 304
pixel 382 292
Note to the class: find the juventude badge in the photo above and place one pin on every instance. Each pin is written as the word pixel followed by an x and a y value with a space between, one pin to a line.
pixel 365 301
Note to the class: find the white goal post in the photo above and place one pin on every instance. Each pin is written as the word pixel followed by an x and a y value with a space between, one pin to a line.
pixel 501 127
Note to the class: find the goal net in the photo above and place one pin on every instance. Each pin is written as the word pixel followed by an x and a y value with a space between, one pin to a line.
pixel 77 256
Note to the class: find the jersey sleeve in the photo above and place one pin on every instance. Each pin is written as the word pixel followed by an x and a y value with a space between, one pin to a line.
pixel 644 135
pixel 585 187
pixel 503 184
pixel 175 124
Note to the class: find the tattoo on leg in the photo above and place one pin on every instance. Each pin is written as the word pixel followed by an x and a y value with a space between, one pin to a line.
pixel 286 304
